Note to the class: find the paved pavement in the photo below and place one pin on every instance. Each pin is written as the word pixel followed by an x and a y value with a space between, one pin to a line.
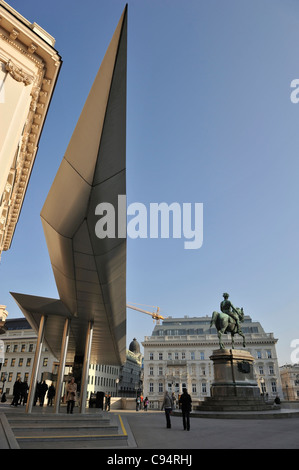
pixel 147 431
pixel 150 432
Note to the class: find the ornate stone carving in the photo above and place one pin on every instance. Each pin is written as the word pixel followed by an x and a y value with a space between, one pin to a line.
pixel 14 34
pixel 32 48
pixel 18 74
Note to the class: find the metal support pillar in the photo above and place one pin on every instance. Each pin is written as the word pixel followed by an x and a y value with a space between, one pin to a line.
pixel 36 362
pixel 64 345
pixel 85 371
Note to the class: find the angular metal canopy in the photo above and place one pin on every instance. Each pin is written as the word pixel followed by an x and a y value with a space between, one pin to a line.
pixel 90 272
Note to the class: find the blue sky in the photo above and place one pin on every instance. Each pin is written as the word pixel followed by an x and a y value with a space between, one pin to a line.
pixel 209 120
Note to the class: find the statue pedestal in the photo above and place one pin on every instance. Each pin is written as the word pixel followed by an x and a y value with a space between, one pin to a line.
pixel 234 387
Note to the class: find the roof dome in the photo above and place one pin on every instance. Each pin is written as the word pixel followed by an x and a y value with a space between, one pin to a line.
pixel 134 346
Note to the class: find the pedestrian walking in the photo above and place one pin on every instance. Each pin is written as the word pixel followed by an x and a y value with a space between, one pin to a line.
pixel 24 392
pixel 138 402
pixel 108 402
pixel 42 392
pixel 71 390
pixel 16 392
pixel 186 406
pixel 145 403
pixel 51 394
pixel 167 406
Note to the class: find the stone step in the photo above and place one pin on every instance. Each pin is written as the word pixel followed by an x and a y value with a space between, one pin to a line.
pixel 43 429
pixel 64 431
pixel 70 421
pixel 80 442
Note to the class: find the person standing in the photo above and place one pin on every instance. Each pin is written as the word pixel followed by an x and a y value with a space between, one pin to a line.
pixel 186 404
pixel 145 403
pixel 51 394
pixel 43 391
pixel 16 392
pixel 71 390
pixel 167 406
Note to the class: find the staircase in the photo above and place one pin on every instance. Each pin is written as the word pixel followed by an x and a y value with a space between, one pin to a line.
pixel 67 431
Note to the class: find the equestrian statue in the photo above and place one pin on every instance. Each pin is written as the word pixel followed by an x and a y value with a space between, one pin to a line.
pixel 228 321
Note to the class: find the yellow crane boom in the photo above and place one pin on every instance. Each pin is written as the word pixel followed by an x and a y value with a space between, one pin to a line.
pixel 154 315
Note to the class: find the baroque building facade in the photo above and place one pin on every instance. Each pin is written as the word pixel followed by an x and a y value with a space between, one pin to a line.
pixel 177 355
pixel 29 67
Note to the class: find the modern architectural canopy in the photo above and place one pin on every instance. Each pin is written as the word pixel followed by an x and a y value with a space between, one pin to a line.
pixel 90 272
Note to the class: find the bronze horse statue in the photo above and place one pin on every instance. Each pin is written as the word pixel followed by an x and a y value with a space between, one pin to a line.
pixel 226 324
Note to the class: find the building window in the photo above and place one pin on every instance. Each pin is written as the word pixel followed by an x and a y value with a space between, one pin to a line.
pixel 23 347
pixel 15 348
pixel 160 387
pixel 8 348
pixel 271 369
pixel 183 355
pixel 160 372
pixel 13 361
pixel 21 361
pixel 151 387
pixel 151 356
pixel 9 377
pixel 259 354
pixel 193 388
pixel 28 362
pixel 192 355
pixel 151 370
pixel 204 387
pixel 169 356
pixel 160 356
pixel 45 362
pixel 273 387
pixel 202 355
pixel 30 347
pixel 261 370
pixel 269 355
pixel 176 356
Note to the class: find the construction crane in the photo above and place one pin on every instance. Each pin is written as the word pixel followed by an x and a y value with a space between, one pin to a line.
pixel 155 315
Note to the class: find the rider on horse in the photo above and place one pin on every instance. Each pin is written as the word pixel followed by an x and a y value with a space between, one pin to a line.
pixel 227 307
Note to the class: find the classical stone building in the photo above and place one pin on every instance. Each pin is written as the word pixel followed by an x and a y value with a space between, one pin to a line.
pixel 19 344
pixel 29 67
pixel 289 374
pixel 17 356
pixel 178 354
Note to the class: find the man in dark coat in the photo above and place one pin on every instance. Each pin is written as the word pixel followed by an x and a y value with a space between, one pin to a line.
pixel 185 402
pixel 16 392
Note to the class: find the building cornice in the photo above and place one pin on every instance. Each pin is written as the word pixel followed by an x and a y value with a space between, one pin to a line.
pixel 18 35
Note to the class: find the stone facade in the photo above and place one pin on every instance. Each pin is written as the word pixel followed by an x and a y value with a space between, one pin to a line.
pixel 178 354
pixel 289 374
pixel 29 67
pixel 18 345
